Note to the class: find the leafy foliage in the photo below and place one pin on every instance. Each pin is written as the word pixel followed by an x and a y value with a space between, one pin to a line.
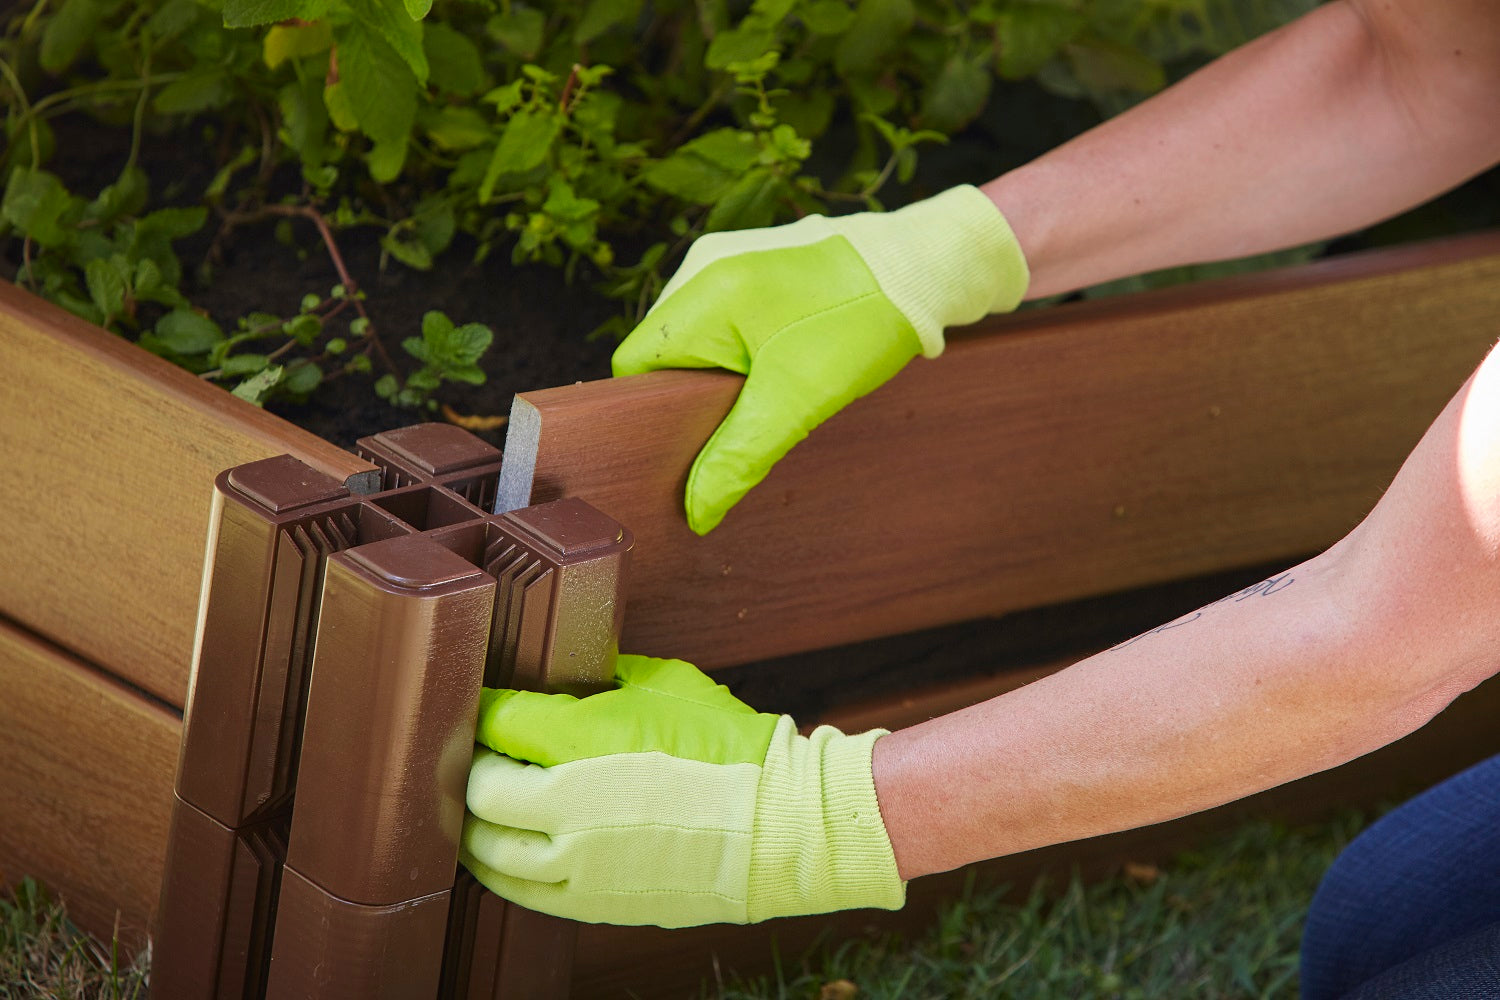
pixel 571 134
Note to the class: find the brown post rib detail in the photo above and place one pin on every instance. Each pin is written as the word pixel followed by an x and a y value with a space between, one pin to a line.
pixel 435 453
pixel 561 569
pixel 559 602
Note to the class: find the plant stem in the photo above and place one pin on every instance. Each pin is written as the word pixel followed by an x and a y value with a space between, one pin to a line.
pixel 138 123
pixel 351 287
pixel 15 85
pixel 102 86
pixel 26 262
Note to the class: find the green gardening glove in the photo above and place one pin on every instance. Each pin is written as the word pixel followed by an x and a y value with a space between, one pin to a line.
pixel 816 314
pixel 668 801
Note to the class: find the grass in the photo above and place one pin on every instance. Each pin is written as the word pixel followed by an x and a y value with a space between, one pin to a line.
pixel 1215 924
pixel 43 955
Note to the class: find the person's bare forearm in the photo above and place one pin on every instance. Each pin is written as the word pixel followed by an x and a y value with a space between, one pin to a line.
pixel 1330 660
pixel 1349 115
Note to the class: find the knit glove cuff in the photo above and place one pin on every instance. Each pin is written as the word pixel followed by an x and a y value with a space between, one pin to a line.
pixel 819 841
pixel 945 261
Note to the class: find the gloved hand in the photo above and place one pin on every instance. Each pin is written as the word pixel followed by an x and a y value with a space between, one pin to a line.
pixel 816 314
pixel 668 801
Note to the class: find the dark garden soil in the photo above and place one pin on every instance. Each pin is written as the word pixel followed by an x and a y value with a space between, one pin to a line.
pixel 540 323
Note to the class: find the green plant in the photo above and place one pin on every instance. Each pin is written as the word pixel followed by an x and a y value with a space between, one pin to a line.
pixel 447 352
pixel 599 137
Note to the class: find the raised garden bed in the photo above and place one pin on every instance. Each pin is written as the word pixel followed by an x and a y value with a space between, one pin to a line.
pixel 1046 458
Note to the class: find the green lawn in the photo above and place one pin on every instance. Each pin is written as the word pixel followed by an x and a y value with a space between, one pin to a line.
pixel 1222 922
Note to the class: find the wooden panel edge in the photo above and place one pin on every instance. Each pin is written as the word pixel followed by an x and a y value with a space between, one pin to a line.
pixel 18 306
pixel 86 790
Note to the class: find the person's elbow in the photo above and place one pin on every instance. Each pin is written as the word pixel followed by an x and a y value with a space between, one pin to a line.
pixel 1440 60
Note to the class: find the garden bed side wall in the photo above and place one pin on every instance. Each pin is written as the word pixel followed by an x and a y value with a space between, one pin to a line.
pixel 1044 457
pixel 110 459
pixel 1103 457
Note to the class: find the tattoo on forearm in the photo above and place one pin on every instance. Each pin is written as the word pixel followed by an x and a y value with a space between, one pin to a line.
pixel 1265 588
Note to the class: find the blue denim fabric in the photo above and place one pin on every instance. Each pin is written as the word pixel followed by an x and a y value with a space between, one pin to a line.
pixel 1411 909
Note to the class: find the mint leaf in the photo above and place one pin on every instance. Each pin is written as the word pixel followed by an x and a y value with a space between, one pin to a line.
pixel 435 326
pixel 172 223
pixel 199 89
pixel 257 387
pixel 958 94
pixel 602 15
pixel 827 17
pixel 244 364
pixel 186 332
pixel 379 87
pixel 389 20
pixel 66 34
pixel 520 30
pixel 523 146
pixel 1028 35
pixel 454 60
pixel 35 203
pixel 467 344
pixel 249 13
pixel 107 283
pixel 302 379
pixel 749 204
pixel 878 27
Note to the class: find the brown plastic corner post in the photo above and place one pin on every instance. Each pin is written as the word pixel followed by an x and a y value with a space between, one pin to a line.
pixel 390 732
pixel 273 524
pixel 560 569
pixel 369 903
pixel 342 642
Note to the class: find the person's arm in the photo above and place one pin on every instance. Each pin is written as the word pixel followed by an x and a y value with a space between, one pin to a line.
pixel 1351 114
pixel 731 815
pixel 1348 115
pixel 1337 657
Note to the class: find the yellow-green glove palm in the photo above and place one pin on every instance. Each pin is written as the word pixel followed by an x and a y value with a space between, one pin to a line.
pixel 668 801
pixel 816 314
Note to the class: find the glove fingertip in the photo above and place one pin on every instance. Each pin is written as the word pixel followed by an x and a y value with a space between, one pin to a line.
pixel 704 517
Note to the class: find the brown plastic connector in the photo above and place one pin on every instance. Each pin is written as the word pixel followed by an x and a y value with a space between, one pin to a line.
pixel 405 599
pixel 560 569
pixel 390 732
pixel 273 523
pixel 435 453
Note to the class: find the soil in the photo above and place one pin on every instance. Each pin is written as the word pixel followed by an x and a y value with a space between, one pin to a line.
pixel 540 321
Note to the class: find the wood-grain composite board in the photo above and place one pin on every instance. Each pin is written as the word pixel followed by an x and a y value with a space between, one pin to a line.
pixel 1044 457
pixel 110 456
